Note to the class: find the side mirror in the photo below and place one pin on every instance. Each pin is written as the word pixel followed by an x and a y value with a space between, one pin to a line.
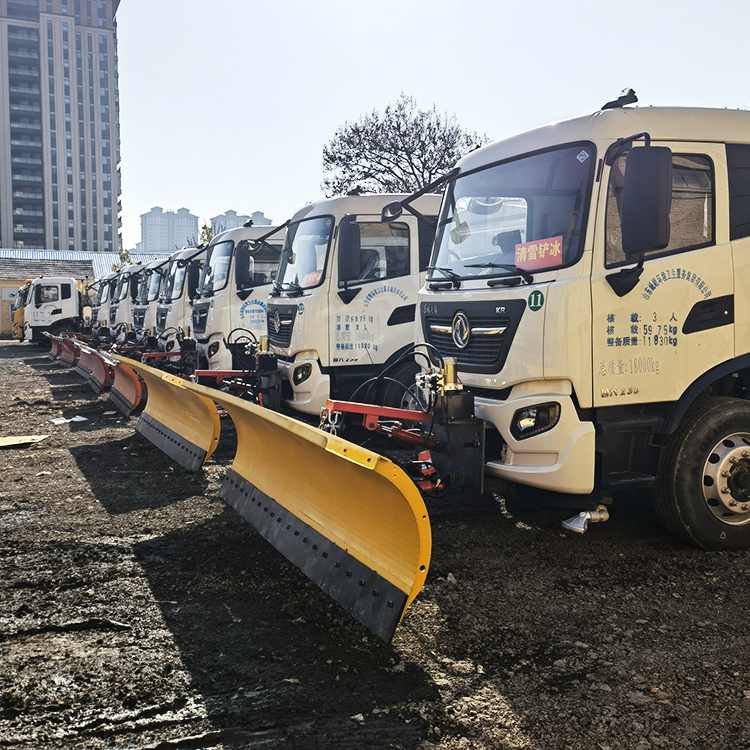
pixel 38 296
pixel 242 275
pixel 646 199
pixel 348 251
pixel 391 212
pixel 133 288
pixel 193 277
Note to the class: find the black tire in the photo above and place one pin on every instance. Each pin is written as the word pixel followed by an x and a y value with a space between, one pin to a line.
pixel 704 495
pixel 394 392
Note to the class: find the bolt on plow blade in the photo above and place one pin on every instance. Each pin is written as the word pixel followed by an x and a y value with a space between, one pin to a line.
pixel 92 366
pixel 68 353
pixel 350 519
pixel 128 390
pixel 183 424
pixel 55 346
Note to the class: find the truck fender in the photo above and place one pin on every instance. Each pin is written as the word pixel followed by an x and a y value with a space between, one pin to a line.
pixel 708 378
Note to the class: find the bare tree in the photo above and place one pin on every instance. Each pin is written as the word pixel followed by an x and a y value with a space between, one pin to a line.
pixel 399 152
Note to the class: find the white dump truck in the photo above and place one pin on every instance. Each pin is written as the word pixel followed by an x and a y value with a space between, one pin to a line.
pixel 344 303
pixel 590 278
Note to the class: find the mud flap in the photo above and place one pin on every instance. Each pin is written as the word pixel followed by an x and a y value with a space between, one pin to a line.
pixel 350 519
pixel 183 424
pixel 128 390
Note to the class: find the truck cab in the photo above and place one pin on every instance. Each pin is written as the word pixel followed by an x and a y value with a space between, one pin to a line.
pixel 103 289
pixel 174 310
pixel 52 304
pixel 234 286
pixel 590 278
pixel 343 305
pixel 123 298
pixel 150 283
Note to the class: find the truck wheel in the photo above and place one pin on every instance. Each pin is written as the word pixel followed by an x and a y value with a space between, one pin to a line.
pixel 401 394
pixel 704 496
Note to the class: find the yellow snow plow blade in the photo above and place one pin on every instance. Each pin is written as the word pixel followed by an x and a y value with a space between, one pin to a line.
pixel 128 390
pixel 183 424
pixel 350 519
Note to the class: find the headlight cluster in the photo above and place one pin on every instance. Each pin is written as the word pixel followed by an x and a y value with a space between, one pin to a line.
pixel 301 373
pixel 533 420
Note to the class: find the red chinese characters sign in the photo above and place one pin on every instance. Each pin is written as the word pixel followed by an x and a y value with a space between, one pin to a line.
pixel 539 253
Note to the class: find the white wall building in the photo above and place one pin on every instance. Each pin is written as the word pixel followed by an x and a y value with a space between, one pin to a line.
pixel 231 219
pixel 166 231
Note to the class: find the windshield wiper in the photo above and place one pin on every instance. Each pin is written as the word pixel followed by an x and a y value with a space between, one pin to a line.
pixel 294 289
pixel 525 275
pixel 452 275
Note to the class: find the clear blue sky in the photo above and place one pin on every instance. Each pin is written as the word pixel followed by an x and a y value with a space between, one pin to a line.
pixel 227 104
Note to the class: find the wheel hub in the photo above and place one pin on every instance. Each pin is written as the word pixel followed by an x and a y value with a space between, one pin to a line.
pixel 726 479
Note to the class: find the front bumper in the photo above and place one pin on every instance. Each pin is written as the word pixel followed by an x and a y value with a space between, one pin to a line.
pixel 310 396
pixel 561 459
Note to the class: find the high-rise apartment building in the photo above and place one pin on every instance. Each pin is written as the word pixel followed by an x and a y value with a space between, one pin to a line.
pixel 166 231
pixel 59 125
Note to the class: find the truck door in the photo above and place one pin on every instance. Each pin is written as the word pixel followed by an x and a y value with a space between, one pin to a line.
pixel 651 343
pixel 371 313
pixel 48 305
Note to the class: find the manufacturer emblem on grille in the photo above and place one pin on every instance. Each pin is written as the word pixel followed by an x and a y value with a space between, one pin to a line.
pixel 276 321
pixel 460 330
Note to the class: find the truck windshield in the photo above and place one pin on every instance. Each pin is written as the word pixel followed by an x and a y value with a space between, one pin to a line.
pixel 216 270
pixel 303 259
pixel 527 213
pixel 123 284
pixel 172 287
pixel 149 285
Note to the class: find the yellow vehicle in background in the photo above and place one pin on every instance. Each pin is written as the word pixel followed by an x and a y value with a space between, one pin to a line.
pixel 16 310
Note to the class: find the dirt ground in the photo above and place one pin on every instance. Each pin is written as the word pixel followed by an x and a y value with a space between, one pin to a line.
pixel 139 611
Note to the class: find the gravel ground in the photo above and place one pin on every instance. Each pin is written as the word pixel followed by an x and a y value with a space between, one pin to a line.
pixel 138 611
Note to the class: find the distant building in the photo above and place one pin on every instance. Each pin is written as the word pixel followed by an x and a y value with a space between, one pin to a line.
pixel 228 220
pixel 231 220
pixel 59 125
pixel 165 231
pixel 259 220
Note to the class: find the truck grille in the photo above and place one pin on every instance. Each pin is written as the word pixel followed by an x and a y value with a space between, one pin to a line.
pixel 139 316
pixel 200 315
pixel 112 316
pixel 491 327
pixel 94 316
pixel 280 322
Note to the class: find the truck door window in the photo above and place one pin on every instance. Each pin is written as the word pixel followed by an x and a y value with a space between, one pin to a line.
pixel 49 294
pixel 384 250
pixel 691 217
pixel 263 263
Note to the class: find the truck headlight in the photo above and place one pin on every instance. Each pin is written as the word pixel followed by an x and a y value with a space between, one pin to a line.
pixel 301 373
pixel 533 420
pixel 212 349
